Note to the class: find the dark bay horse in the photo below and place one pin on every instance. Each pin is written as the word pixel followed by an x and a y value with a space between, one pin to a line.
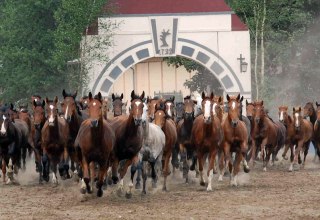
pixel 264 134
pixel 206 136
pixel 10 145
pixel 235 140
pixel 117 104
pixel 54 140
pixel 316 135
pixel 94 144
pixel 169 128
pixel 184 129
pixel 309 112
pixel 129 137
pixel 71 114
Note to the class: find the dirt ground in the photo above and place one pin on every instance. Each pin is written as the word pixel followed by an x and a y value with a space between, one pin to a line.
pixel 275 194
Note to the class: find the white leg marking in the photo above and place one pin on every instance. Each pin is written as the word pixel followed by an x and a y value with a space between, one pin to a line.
pixel 209 187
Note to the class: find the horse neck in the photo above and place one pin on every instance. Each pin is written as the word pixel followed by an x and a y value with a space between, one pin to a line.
pixel 54 130
pixel 146 129
pixel 74 125
pixel 131 128
pixel 313 116
pixel 97 132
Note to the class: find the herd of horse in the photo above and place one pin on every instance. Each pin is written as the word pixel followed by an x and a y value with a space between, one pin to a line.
pixel 82 138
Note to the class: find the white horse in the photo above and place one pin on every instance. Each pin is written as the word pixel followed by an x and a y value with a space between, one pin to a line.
pixel 152 147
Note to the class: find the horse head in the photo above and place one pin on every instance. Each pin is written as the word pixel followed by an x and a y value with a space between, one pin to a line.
pixel 259 112
pixel 152 102
pixel 297 118
pixel 206 108
pixel 318 112
pixel 95 109
pixel 4 120
pixel 283 114
pixel 189 108
pixel 39 117
pixel 179 110
pixel 169 106
pixel 160 115
pixel 117 104
pixel 217 106
pixel 52 110
pixel 308 110
pixel 13 113
pixel 84 102
pixel 68 105
pixel 249 110
pixel 144 116
pixel 35 98
pixel 136 107
pixel 234 109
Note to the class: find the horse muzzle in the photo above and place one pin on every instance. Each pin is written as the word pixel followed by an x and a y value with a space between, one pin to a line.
pixel 137 121
pixel 207 120
pixel 257 120
pixel 68 118
pixel 94 123
pixel 188 116
pixel 37 126
pixel 250 118
pixel 234 123
pixel 297 128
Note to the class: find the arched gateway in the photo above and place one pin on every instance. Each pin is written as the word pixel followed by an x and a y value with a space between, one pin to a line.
pixel 205 31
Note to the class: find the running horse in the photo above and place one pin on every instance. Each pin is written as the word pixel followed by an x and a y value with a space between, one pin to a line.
pixel 54 143
pixel 10 145
pixel 72 115
pixel 317 128
pixel 235 140
pixel 168 126
pixel 129 138
pixel 152 103
pixel 184 129
pixel 94 144
pixel 117 104
pixel 264 134
pixel 309 112
pixel 206 136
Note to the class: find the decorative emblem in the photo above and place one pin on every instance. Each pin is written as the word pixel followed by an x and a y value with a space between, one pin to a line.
pixel 163 37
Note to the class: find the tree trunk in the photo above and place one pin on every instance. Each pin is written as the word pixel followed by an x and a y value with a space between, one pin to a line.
pixel 256 15
pixel 262 43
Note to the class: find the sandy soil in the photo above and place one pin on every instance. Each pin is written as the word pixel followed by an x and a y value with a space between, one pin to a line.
pixel 275 194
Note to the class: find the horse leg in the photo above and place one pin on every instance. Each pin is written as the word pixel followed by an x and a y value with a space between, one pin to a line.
pixel 297 151
pixel 102 172
pixel 166 171
pixel 284 154
pixel 93 177
pixel 45 166
pixel 144 176
pixel 114 175
pixel 227 157
pixel 212 158
pixel 236 169
pixel 154 174
pixel 221 165
pixel 123 171
pixel 306 150
pixel 66 163
pixel 244 149
pixel 54 173
pixel 201 159
pixel 138 179
pixel 4 170
pixel 174 159
pixel 263 153
pixel 185 166
pixel 85 187
pixel 292 149
pixel 253 152
pixel 133 171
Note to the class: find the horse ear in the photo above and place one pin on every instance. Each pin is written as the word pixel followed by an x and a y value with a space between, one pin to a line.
pixel 247 103
pixel 75 94
pixel 55 99
pixel 47 100
pixel 113 97
pixel 43 103
pixel 238 97
pixel 317 104
pixel 241 99
pixel 100 96
pixel 293 109
pixel 11 106
pixel 220 99
pixel 299 108
pixel 64 93
pixel 90 96
pixel 228 97
pixel 203 95
pixel 211 96
pixel 132 95
pixel 142 95
pixel 121 97
pixel 34 103
pixel 173 98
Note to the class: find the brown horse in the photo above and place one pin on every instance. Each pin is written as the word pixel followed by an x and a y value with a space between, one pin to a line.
pixel 129 136
pixel 206 136
pixel 168 127
pixel 309 112
pixel 74 120
pixel 303 132
pixel 264 134
pixel 39 120
pixel 169 107
pixel 152 103
pixel 117 104
pixel 184 129
pixel 235 139
pixel 94 144
pixel 54 143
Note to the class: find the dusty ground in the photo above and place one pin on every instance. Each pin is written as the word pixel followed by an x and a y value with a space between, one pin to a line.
pixel 275 194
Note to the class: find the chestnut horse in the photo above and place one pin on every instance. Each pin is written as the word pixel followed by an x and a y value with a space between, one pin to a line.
pixel 184 129
pixel 54 143
pixel 206 136
pixel 129 137
pixel 152 103
pixel 168 126
pixel 264 134
pixel 317 129
pixel 71 114
pixel 169 107
pixel 309 112
pixel 94 144
pixel 235 140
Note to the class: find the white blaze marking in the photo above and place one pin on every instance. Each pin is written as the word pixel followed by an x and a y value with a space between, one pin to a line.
pixel 51 107
pixel 207 109
pixel 3 128
pixel 233 105
pixel 214 108
pixel 51 119
pixel 85 102
pixel 297 119
pixel 169 111
pixel 281 116
pixel 35 100
pixel 66 115
pixel 94 104
pixel 137 104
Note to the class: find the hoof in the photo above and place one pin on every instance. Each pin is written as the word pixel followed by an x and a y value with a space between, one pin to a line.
pixel 246 169
pixel 197 175
pixel 233 184
pixel 220 178
pixel 154 185
pixel 83 191
pixel 209 189
pixel 164 189
pixel 215 171
pixel 265 169
pixel 120 192
pixel 128 195
pixel 115 179
pixel 202 183
pixel 109 181
pixel 138 185
pixel 143 192
pixel 99 192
